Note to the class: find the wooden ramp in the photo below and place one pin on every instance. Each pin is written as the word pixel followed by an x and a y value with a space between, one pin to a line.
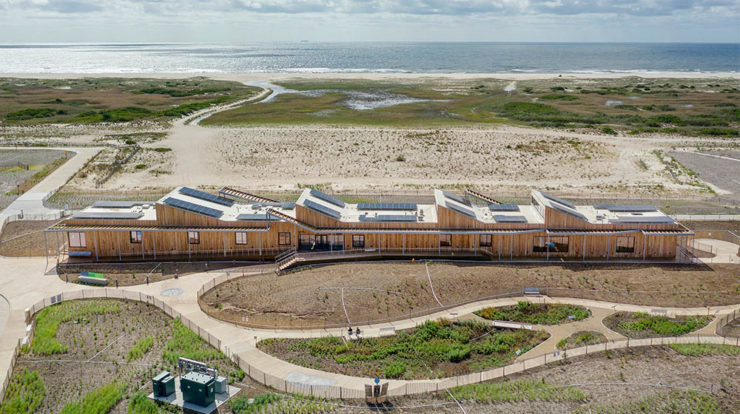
pixel 481 197
pixel 232 192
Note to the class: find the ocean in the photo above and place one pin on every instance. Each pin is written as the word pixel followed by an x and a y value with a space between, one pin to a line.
pixel 391 57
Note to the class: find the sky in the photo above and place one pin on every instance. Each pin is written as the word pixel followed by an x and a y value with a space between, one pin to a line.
pixel 216 21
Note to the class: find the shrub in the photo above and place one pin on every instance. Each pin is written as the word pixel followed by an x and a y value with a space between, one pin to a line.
pixel 608 130
pixel 32 113
pixel 395 369
pixel 558 97
pixel 664 326
pixel 528 312
pixel 705 349
pixel 458 353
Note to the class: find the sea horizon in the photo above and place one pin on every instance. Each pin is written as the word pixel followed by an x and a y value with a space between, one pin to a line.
pixel 369 57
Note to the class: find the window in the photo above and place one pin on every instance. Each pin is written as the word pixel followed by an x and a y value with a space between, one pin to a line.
pixel 557 244
pixel 445 240
pixel 625 244
pixel 358 241
pixel 193 237
pixel 241 237
pixel 135 236
pixel 284 238
pixel 77 239
pixel 486 240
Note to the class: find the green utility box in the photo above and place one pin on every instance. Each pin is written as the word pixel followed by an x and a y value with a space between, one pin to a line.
pixel 198 388
pixel 163 384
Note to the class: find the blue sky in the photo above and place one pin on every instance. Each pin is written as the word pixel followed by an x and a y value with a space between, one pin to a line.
pixel 46 21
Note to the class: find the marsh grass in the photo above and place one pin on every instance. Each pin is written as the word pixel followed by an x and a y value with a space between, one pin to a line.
pixel 668 402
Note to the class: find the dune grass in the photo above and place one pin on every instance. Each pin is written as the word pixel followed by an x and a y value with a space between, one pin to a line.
pixel 48 320
pixel 25 393
pixel 705 349
pixel 141 347
pixel 99 401
pixel 516 391
pixel 186 343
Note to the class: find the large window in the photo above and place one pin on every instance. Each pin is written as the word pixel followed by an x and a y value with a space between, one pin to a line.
pixel 193 237
pixel 445 240
pixel 135 237
pixel 241 238
pixel 557 244
pixel 486 240
pixel 358 241
pixel 284 238
pixel 625 244
pixel 77 239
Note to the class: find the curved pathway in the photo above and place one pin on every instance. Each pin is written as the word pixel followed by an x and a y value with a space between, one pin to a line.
pixel 724 251
pixel 24 283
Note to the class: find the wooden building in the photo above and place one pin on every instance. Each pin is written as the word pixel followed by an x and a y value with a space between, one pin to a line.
pixel 236 225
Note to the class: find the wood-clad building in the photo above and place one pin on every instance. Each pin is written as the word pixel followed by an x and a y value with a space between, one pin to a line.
pixel 236 225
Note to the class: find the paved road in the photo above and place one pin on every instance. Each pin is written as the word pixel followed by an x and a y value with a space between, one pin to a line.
pixel 31 203
pixel 721 169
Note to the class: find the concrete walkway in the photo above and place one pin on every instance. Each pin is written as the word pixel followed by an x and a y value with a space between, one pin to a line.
pixel 23 282
pixel 724 251
pixel 31 203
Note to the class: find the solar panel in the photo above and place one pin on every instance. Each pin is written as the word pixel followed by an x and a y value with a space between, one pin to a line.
pixel 455 197
pixel 557 200
pixel 326 197
pixel 509 219
pixel 253 217
pixel 643 219
pixel 625 208
pixel 323 210
pixel 387 206
pixel 389 217
pixel 106 216
pixel 207 196
pixel 467 211
pixel 118 204
pixel 194 208
pixel 569 211
pixel 503 207
pixel 287 206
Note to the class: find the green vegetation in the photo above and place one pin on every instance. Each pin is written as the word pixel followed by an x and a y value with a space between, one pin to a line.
pixel 111 99
pixel 538 104
pixel 141 347
pixel 579 339
pixel 99 401
pixel 32 113
pixel 186 343
pixel 432 349
pixel 516 391
pixel 276 403
pixel 705 349
pixel 25 393
pixel 528 312
pixel 140 404
pixel 661 325
pixel 558 97
pixel 48 320
pixel 669 402
pixel 180 92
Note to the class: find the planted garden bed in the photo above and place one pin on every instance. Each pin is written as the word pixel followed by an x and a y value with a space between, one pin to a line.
pixel 536 313
pixel 582 338
pixel 642 325
pixel 431 350
pixel 92 356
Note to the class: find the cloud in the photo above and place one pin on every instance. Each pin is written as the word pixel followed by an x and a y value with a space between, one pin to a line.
pixel 394 7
